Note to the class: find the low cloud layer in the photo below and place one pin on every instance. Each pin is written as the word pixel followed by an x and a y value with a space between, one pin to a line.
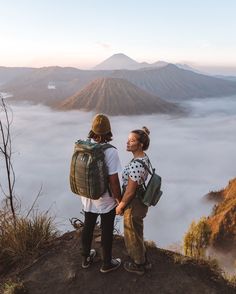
pixel 193 155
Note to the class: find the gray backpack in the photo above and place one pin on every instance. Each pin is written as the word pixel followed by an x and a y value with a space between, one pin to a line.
pixel 88 170
pixel 152 191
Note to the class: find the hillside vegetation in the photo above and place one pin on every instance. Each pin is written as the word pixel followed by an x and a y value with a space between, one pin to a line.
pixel 215 236
pixel 223 218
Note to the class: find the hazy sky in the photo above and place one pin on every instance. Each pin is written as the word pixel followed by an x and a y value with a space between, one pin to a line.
pixel 193 154
pixel 83 33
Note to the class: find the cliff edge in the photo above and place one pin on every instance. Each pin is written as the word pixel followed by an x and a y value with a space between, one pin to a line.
pixel 58 270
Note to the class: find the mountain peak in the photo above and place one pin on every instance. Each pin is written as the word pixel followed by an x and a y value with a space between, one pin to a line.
pixel 117 61
pixel 115 96
pixel 120 55
pixel 121 61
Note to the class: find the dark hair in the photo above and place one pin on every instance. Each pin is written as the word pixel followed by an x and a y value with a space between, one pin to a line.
pixel 143 137
pixel 100 138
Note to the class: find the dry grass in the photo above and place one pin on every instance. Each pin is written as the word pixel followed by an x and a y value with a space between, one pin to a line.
pixel 150 244
pixel 180 259
pixel 24 237
pixel 214 265
pixel 13 287
pixel 230 278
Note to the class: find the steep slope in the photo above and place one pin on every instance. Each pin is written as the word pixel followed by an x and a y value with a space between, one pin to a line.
pixel 223 218
pixel 58 270
pixel 117 96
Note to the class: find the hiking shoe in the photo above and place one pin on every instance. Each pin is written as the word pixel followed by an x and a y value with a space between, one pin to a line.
pixel 132 267
pixel 114 264
pixel 87 261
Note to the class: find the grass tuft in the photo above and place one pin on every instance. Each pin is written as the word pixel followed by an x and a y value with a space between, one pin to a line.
pixel 23 237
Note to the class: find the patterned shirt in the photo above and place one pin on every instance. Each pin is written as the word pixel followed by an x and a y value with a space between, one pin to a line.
pixel 135 171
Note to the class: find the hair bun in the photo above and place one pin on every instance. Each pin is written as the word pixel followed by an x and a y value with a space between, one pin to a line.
pixel 146 130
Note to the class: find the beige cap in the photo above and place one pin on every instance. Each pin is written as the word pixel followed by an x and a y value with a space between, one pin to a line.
pixel 101 124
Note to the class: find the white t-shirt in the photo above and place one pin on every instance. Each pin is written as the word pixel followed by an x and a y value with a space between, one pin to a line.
pixel 105 203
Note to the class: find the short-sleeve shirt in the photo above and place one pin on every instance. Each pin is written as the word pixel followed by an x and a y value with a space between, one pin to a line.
pixel 105 203
pixel 135 171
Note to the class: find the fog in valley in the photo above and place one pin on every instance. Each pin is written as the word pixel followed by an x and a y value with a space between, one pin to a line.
pixel 193 154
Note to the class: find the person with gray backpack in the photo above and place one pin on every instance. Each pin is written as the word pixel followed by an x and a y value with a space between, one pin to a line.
pixel 94 176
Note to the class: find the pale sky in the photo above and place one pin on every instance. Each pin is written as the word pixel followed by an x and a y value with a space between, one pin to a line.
pixel 84 33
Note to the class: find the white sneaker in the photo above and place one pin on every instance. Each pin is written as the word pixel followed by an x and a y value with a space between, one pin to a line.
pixel 114 264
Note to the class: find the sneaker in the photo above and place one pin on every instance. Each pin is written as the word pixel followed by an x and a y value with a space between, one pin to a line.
pixel 114 264
pixel 87 261
pixel 134 268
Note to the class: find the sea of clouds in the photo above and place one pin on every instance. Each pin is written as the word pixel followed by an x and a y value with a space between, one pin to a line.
pixel 193 154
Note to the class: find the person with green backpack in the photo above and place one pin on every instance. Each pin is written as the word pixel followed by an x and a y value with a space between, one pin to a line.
pixel 94 176
pixel 135 201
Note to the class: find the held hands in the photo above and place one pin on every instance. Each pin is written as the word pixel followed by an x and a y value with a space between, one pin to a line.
pixel 120 208
pixel 127 196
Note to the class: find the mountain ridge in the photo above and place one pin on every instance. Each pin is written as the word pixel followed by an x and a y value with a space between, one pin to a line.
pixel 168 82
pixel 173 83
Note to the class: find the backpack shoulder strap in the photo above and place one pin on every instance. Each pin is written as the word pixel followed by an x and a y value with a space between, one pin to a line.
pixel 145 166
pixel 107 146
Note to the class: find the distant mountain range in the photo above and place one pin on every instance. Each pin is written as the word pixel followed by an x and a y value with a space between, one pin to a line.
pixel 52 85
pixel 117 96
pixel 122 61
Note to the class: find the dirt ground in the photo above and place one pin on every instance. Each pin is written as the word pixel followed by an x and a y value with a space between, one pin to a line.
pixel 58 271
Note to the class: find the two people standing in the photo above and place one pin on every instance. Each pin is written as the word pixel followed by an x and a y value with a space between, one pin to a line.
pixel 113 202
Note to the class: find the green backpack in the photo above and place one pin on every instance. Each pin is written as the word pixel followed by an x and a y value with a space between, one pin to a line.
pixel 151 193
pixel 88 170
